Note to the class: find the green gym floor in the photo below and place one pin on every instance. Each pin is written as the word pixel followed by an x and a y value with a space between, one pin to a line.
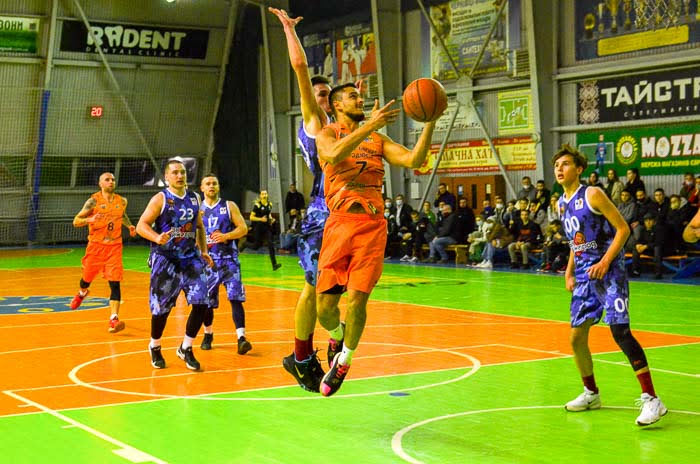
pixel 455 366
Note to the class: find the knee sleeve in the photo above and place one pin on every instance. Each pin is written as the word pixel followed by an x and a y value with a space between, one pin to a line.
pixel 84 284
pixel 629 345
pixel 238 314
pixel 194 321
pixel 208 317
pixel 115 291
pixel 158 325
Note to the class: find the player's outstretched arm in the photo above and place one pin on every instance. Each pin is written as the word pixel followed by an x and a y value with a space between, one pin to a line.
pixel 333 151
pixel 691 234
pixel 149 216
pixel 600 202
pixel 399 155
pixel 84 218
pixel 310 111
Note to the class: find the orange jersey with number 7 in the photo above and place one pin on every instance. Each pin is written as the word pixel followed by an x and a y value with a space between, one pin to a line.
pixel 358 178
pixel 107 229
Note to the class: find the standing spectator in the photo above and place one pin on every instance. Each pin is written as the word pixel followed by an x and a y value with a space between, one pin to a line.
pixel 556 248
pixel 542 195
pixel 634 183
pixel 293 200
pixel 594 180
pixel 389 206
pixel 446 235
pixel 528 191
pixel 660 206
pixel 427 213
pixel 402 211
pixel 678 217
pixel 444 195
pixel 614 187
pixel 262 222
pixel 688 185
pixel 466 222
pixel 650 241
pixel 527 235
pixel 628 211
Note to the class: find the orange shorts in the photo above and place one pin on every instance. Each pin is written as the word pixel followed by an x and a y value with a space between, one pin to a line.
pixel 103 258
pixel 352 254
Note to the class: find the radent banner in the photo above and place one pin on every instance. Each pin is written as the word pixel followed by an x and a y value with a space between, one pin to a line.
pixel 652 150
pixel 655 95
pixel 517 153
pixel 135 40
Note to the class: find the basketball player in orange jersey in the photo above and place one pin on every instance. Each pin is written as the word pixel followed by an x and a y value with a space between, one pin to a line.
pixel 104 213
pixel 352 256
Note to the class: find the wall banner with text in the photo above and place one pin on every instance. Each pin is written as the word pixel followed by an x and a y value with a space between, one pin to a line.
pixel 19 35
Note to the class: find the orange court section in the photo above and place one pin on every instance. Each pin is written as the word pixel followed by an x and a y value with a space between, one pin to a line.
pixel 69 360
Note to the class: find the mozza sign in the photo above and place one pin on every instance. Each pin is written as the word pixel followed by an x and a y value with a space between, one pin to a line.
pixel 134 40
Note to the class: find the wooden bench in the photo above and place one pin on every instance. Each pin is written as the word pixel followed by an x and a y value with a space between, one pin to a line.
pixel 460 251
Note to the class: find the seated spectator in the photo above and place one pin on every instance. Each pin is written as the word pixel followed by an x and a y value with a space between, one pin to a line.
pixel 289 238
pixel 644 206
pixel 510 211
pixel 542 195
pixel 552 213
pixel 408 237
pixel 660 206
pixel 594 180
pixel 499 210
pixel 556 248
pixel 446 235
pixel 425 232
pixel 694 196
pixel 538 215
pixel 477 239
pixel 650 242
pixel 614 187
pixel 427 212
pixel 688 185
pixel 628 210
pixel 520 206
pixel 402 211
pixel 634 183
pixel 487 209
pixel 466 222
pixel 497 239
pixel 527 235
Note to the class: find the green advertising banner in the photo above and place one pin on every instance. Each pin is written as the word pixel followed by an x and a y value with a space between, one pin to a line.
pixel 653 150
pixel 515 112
pixel 19 35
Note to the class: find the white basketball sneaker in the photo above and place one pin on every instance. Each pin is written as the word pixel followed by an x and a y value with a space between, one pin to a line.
pixel 586 400
pixel 652 409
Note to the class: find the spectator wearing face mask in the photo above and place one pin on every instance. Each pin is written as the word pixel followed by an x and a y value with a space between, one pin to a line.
pixel 527 191
pixel 499 211
pixel 477 239
pixel 402 212
pixel 392 231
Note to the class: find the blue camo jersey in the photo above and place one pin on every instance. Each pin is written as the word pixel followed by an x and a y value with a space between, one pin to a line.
pixel 218 218
pixel 179 216
pixel 590 235
pixel 317 211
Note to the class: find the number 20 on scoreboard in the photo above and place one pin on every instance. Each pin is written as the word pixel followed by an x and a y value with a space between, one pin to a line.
pixel 95 111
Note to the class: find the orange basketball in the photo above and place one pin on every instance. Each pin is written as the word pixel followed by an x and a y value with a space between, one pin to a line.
pixel 424 100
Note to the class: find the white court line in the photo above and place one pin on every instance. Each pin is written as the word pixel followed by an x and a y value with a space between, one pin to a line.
pixel 396 440
pixel 125 451
pixel 654 369
pixel 558 353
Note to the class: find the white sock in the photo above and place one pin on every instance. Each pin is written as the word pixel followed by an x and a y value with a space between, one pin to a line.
pixel 154 343
pixel 187 342
pixel 337 333
pixel 346 355
pixel 83 292
pixel 114 316
pixel 209 329
pixel 240 332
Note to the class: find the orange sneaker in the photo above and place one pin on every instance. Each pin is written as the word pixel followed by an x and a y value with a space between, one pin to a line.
pixel 115 325
pixel 78 300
